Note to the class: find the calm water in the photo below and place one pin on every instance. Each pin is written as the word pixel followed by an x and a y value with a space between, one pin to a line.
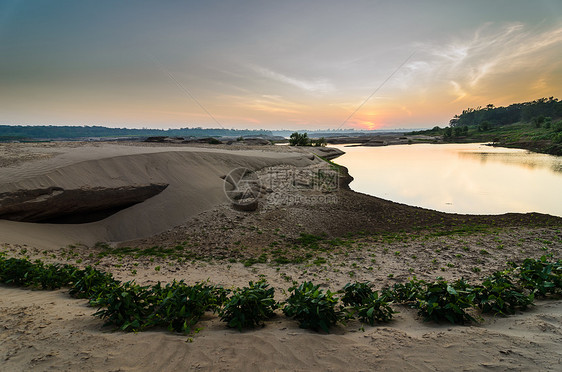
pixel 459 178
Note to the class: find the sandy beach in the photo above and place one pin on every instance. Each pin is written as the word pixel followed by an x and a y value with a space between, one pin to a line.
pixel 202 236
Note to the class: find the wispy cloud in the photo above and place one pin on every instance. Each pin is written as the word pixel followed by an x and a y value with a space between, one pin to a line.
pixel 267 103
pixel 321 86
pixel 468 65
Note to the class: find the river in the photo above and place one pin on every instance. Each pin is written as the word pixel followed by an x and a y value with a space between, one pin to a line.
pixel 458 178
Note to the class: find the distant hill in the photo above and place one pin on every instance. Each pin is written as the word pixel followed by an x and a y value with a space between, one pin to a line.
pixel 517 112
pixel 536 126
pixel 44 132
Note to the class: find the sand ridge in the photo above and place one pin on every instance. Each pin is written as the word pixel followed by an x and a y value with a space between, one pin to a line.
pixel 193 174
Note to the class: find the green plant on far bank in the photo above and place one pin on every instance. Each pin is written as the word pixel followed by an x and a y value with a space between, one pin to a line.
pixel 248 307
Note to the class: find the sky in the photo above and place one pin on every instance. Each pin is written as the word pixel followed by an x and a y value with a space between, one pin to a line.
pixel 273 64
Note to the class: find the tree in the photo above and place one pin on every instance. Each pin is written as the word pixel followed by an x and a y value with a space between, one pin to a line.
pixel 320 142
pixel 484 126
pixel 297 139
pixel 539 121
pixel 457 131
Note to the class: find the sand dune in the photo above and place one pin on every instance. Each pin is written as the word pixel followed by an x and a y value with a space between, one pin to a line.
pixel 193 175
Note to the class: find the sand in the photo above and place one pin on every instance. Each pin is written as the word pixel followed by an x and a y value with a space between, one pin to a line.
pixel 48 330
pixel 193 175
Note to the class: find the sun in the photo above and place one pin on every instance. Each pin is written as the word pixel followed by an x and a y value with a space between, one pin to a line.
pixel 366 124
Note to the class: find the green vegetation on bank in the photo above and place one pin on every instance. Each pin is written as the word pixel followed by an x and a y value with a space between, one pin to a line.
pixel 298 139
pixel 179 307
pixel 23 132
pixel 536 126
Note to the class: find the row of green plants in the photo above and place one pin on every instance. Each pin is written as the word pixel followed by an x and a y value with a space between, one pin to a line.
pixel 178 306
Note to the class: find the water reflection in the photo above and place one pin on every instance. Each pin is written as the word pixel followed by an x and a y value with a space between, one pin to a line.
pixel 517 157
pixel 460 178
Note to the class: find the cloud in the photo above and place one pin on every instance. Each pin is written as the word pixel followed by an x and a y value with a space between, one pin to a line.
pixel 469 65
pixel 322 86
pixel 267 103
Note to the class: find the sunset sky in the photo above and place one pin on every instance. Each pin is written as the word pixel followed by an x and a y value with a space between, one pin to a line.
pixel 273 64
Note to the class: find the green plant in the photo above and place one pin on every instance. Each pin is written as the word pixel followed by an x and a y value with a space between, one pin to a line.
pixel 312 307
pixel 443 301
pixel 405 293
pixel 365 303
pixel 248 307
pixel 374 309
pixel 355 293
pixel 127 306
pixel 90 282
pixel 22 272
pixel 179 306
pixel 499 295
pixel 19 272
pixel 540 276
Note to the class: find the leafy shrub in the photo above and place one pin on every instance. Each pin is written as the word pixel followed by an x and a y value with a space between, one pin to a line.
pixel 249 306
pixel 442 301
pixel 19 272
pixel 23 272
pixel 540 276
pixel 498 295
pixel 365 303
pixel 126 306
pixel 374 309
pixel 55 276
pixel 91 283
pixel 312 308
pixel 356 293
pixel 179 307
pixel 408 292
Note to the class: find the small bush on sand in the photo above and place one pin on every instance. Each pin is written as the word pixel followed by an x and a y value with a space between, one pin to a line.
pixel 312 307
pixel 248 307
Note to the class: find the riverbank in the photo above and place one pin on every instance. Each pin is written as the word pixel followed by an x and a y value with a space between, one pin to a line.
pixel 537 138
pixel 307 225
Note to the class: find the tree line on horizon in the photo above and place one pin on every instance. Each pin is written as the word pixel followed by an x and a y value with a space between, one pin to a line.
pixel 22 132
